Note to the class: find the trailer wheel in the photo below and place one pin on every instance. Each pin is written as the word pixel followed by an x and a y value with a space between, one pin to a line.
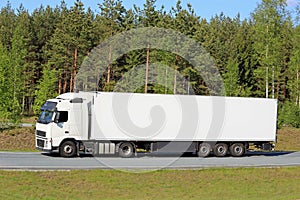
pixel 204 150
pixel 126 150
pixel 68 149
pixel 237 149
pixel 220 149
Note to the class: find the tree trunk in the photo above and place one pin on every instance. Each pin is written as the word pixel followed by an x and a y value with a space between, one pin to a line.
pixel 297 89
pixel 65 86
pixel 109 60
pixel 267 74
pixel 23 104
pixel 73 74
pixel 267 65
pixel 166 80
pixel 30 109
pixel 23 100
pixel 175 74
pixel 71 82
pixel 147 68
pixel 65 82
pixel 273 82
pixel 60 84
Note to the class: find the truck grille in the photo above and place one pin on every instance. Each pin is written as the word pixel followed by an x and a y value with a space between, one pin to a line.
pixel 41 133
pixel 40 143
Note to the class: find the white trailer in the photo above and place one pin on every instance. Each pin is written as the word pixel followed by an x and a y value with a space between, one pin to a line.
pixel 102 123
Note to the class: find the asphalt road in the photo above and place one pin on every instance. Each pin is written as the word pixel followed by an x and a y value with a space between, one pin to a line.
pixel 42 161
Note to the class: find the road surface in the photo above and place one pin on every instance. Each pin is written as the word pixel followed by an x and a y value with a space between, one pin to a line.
pixel 42 161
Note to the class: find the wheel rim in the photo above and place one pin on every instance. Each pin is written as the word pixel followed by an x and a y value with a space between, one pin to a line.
pixel 203 149
pixel 237 149
pixel 126 150
pixel 221 149
pixel 68 149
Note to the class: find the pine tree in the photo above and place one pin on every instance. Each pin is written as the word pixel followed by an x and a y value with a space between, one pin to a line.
pixel 60 57
pixel 244 54
pixel 287 42
pixel 148 18
pixel 20 61
pixel 75 21
pixel 46 88
pixel 268 18
pixel 231 78
pixel 5 85
pixel 111 17
pixel 294 69
pixel 7 21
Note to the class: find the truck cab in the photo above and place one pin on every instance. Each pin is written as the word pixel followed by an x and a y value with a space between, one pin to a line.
pixel 60 124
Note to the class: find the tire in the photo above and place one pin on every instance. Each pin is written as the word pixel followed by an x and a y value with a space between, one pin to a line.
pixel 68 149
pixel 126 150
pixel 220 149
pixel 204 150
pixel 237 149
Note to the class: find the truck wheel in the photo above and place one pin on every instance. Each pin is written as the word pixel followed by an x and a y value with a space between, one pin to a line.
pixel 204 150
pixel 126 150
pixel 220 149
pixel 68 149
pixel 237 149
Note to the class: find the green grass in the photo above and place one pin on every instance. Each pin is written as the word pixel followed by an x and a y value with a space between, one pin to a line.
pixel 258 183
pixel 247 183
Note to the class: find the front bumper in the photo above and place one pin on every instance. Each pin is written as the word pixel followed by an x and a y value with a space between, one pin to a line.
pixel 43 144
pixel 42 149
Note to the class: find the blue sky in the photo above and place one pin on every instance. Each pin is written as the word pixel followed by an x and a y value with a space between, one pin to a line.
pixel 203 8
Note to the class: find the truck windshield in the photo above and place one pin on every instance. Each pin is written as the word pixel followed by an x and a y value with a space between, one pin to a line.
pixel 47 112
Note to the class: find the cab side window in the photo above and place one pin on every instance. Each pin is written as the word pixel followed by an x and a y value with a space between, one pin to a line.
pixel 63 116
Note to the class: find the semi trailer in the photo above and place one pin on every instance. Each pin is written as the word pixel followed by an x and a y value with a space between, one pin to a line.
pixel 109 123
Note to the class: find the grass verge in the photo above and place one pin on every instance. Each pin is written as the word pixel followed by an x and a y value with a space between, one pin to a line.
pixel 17 139
pixel 247 183
pixel 29 120
pixel 288 139
pixel 23 139
pixel 258 183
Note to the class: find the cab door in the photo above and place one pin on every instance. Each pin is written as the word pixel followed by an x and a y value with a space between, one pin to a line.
pixel 60 127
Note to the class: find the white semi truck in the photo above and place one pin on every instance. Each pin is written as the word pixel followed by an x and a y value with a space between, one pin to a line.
pixel 102 123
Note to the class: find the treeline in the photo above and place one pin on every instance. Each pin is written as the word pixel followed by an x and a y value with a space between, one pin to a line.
pixel 41 52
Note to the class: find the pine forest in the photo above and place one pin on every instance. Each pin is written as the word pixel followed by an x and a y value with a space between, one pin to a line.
pixel 41 53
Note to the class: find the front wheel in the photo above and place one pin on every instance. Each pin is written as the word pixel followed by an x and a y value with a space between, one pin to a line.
pixel 68 149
